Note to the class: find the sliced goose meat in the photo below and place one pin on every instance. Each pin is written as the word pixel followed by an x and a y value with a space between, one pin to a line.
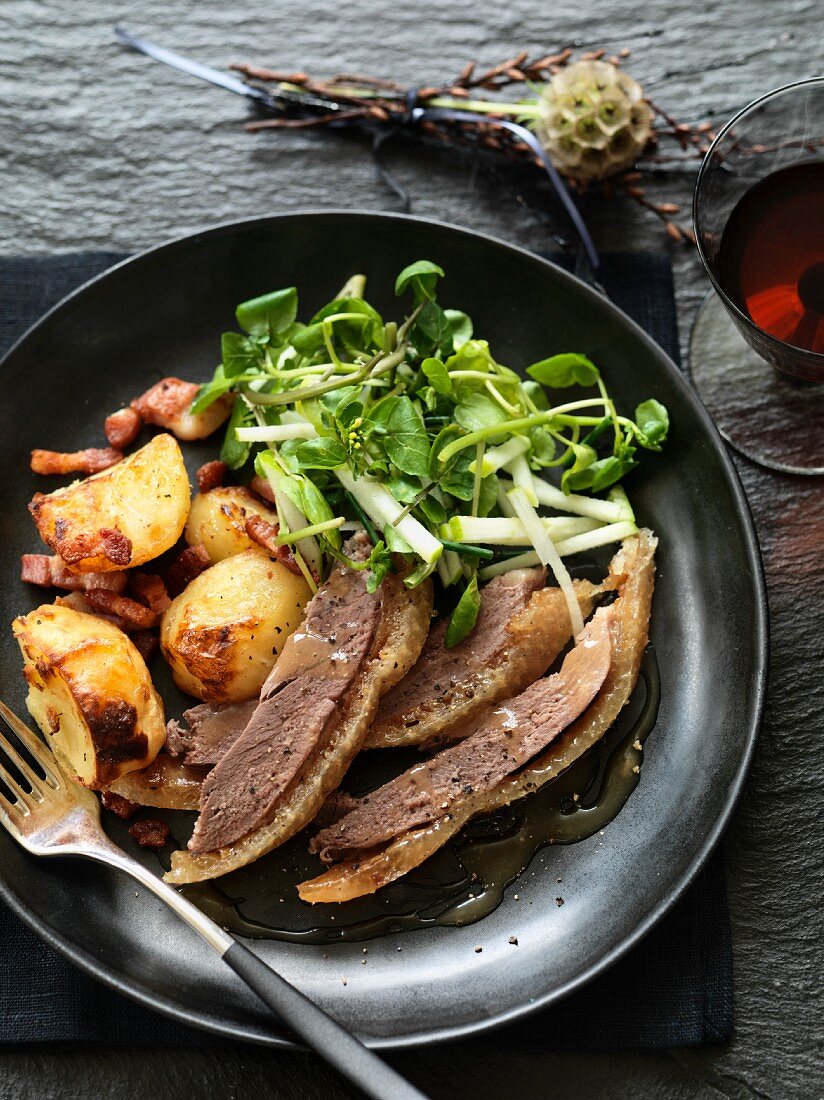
pixel 521 629
pixel 312 677
pixel 327 705
pixel 209 731
pixel 504 741
pixel 632 575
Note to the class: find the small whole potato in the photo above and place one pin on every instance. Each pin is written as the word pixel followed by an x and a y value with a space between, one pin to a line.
pixel 90 693
pixel 222 634
pixel 217 521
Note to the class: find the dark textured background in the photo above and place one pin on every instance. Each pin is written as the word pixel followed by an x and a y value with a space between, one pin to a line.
pixel 101 149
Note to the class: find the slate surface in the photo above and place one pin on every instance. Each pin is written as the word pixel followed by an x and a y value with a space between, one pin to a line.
pixel 100 149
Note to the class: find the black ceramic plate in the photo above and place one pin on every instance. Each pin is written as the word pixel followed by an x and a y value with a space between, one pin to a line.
pixel 162 313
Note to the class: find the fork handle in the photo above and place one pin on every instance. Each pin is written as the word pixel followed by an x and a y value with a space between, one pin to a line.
pixel 337 1045
pixel 328 1038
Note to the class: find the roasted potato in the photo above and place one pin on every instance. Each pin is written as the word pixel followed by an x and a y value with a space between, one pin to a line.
pixel 217 521
pixel 223 632
pixel 119 518
pixel 90 693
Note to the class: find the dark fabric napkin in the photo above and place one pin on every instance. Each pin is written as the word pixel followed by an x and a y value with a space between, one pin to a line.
pixel 673 990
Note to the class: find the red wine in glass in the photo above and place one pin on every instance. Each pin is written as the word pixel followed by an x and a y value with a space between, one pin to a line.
pixel 757 343
pixel 771 259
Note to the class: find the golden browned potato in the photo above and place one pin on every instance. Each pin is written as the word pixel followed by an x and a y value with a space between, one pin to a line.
pixel 217 521
pixel 223 632
pixel 90 693
pixel 122 517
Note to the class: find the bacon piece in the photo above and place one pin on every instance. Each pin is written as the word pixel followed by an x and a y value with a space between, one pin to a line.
pixel 36 569
pixel 150 832
pixel 211 474
pixel 121 427
pixel 264 533
pixel 262 487
pixel 49 571
pixel 90 461
pixel 78 602
pixel 190 564
pixel 149 588
pixel 116 546
pixel 146 643
pixel 117 805
pixel 167 405
pixel 129 610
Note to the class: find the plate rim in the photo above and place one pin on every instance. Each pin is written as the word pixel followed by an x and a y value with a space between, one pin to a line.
pixel 210 1023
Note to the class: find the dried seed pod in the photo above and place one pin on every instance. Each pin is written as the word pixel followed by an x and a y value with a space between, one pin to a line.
pixel 594 120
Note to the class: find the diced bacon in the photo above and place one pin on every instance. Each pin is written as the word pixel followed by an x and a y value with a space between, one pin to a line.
pixel 49 571
pixel 74 548
pixel 146 642
pixel 36 569
pixel 149 588
pixel 122 427
pixel 125 608
pixel 164 402
pixel 116 546
pixel 167 405
pixel 262 532
pixel 78 602
pixel 190 564
pixel 211 475
pixel 262 487
pixel 265 534
pixel 122 807
pixel 90 461
pixel 150 832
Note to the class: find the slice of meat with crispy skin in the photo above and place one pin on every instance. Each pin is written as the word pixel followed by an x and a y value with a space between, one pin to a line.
pixel 166 784
pixel 314 673
pixel 90 461
pixel 401 630
pixel 121 428
pixel 632 573
pixel 209 731
pixel 521 629
pixel 506 739
pixel 167 405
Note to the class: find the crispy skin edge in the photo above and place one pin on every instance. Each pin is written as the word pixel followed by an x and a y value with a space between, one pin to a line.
pixel 405 615
pixel 632 572
pixel 537 634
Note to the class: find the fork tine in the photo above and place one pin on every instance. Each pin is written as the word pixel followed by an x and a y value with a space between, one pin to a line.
pixel 41 753
pixel 22 796
pixel 36 782
pixel 8 810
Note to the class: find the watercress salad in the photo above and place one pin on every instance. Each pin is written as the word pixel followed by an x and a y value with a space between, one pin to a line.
pixel 414 432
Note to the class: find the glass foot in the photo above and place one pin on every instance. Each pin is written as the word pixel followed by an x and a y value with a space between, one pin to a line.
pixel 769 417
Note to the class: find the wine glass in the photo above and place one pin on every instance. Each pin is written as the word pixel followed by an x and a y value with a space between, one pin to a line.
pixel 757 344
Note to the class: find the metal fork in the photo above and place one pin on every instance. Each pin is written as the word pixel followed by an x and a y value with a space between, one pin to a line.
pixel 57 816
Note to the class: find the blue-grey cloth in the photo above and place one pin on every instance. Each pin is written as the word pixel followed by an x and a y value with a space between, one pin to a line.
pixel 673 990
